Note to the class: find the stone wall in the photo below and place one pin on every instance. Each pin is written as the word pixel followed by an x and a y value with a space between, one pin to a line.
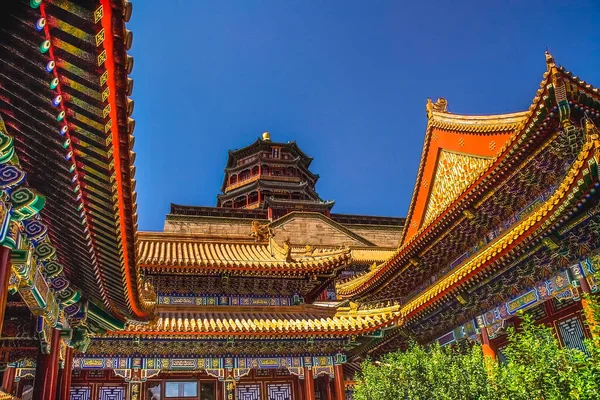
pixel 385 236
pixel 210 226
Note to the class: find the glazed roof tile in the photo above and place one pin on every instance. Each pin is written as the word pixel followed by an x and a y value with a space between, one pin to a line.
pixel 181 254
pixel 302 322
pixel 511 152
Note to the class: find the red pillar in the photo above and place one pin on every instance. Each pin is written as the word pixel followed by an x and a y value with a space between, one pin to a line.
pixel 309 384
pixel 5 268
pixel 64 383
pixel 338 381
pixel 8 380
pixel 485 344
pixel 328 393
pixel 46 371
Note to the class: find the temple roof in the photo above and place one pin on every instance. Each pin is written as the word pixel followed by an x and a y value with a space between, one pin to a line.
pixel 457 149
pixel 517 147
pixel 173 253
pixel 305 321
pixel 64 96
pixel 266 144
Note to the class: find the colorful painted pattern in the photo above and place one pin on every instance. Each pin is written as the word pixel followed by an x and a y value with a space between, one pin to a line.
pixel 454 173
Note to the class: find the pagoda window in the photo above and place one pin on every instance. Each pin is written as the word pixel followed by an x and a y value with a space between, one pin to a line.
pixel 265 170
pixel 228 204
pixel 275 152
pixel 233 179
pixel 276 172
pixel 239 202
pixel 245 174
pixel 181 389
pixel 252 197
pixel 255 170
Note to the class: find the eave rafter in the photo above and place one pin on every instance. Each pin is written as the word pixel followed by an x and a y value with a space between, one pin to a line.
pixel 66 102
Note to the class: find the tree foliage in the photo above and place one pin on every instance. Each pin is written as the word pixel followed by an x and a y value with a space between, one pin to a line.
pixel 536 368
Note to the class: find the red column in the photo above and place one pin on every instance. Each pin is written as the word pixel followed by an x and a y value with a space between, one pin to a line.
pixel 329 394
pixel 309 384
pixel 4 280
pixel 64 383
pixel 338 381
pixel 485 344
pixel 8 380
pixel 46 371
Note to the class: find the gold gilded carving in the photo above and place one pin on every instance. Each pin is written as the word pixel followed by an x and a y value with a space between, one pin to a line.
pixel 287 249
pixel 454 174
pixel 261 232
pixel 441 105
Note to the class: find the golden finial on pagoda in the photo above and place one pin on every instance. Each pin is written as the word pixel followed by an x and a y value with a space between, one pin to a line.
pixel 266 136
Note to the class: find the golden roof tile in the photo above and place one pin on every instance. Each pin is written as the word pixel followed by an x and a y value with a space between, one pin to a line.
pixel 298 320
pixel 176 253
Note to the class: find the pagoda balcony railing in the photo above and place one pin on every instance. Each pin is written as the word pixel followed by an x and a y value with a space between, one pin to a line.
pixel 252 178
pixel 487 239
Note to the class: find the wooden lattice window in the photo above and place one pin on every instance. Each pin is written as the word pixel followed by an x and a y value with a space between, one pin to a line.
pixel 279 391
pixel 248 392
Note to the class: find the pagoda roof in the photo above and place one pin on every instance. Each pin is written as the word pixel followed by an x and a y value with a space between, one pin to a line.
pixel 69 111
pixel 457 149
pixel 327 204
pixel 260 144
pixel 266 184
pixel 303 321
pixel 521 142
pixel 175 253
pixel 268 161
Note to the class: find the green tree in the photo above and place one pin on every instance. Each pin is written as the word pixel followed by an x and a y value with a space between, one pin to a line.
pixel 434 372
pixel 536 368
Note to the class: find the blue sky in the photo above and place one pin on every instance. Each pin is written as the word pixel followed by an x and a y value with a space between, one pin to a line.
pixel 348 80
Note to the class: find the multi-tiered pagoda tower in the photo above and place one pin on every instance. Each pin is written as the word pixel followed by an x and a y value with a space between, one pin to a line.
pixel 269 295
pixel 271 176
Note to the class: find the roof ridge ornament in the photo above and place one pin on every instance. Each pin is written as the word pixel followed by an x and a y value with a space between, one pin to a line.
pixel 591 130
pixel 550 63
pixel 441 105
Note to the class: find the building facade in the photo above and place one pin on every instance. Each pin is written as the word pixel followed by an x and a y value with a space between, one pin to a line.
pixel 269 294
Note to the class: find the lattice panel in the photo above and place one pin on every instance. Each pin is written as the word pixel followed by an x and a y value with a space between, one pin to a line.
pixel 111 393
pixel 537 312
pixel 571 333
pixel 96 374
pixel 262 372
pixel 561 304
pixel 280 391
pixel 81 393
pixel 248 392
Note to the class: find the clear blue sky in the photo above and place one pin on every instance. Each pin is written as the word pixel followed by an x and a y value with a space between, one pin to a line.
pixel 347 80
